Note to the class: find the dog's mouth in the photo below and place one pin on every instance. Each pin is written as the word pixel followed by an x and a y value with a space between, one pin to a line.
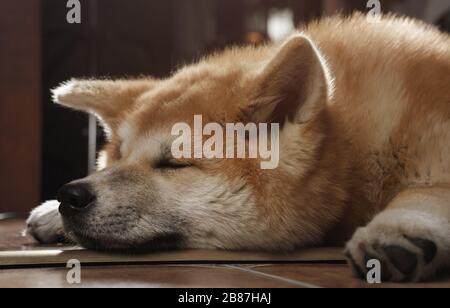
pixel 169 241
pixel 120 243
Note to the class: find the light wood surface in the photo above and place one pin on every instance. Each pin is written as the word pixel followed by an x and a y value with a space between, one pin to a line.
pixel 60 257
pixel 23 266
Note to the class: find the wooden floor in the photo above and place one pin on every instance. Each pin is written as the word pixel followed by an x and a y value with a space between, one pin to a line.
pixel 183 275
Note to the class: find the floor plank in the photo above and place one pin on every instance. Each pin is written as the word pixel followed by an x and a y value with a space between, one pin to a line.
pixel 315 274
pixel 139 276
pixel 337 276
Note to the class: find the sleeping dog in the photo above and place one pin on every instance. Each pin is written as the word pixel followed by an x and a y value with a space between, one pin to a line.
pixel 363 110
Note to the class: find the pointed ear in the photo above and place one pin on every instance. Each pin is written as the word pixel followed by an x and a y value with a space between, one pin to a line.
pixel 293 86
pixel 108 100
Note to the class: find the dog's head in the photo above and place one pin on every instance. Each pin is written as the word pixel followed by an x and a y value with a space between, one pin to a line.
pixel 144 197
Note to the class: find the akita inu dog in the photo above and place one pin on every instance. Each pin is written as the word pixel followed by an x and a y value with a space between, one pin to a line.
pixel 364 114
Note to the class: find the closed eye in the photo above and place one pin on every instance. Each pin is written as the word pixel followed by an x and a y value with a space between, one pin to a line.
pixel 168 164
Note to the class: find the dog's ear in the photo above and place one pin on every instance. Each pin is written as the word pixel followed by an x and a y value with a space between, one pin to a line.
pixel 293 86
pixel 107 99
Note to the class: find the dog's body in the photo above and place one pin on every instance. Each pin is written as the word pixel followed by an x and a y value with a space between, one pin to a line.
pixel 365 114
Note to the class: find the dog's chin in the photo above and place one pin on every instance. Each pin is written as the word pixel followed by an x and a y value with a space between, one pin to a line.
pixel 112 243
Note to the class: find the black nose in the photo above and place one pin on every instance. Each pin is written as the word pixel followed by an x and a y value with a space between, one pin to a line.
pixel 75 198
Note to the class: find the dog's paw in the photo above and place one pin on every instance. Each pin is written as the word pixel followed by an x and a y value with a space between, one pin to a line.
pixel 45 224
pixel 410 245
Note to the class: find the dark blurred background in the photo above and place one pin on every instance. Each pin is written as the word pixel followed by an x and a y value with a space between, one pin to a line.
pixel 43 146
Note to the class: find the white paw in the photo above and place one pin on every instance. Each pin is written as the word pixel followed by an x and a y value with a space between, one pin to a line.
pixel 411 245
pixel 45 224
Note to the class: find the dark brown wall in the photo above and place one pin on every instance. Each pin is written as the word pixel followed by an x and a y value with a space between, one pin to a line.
pixel 19 105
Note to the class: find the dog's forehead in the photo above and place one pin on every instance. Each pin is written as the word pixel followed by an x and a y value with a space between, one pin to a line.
pixel 178 100
pixel 193 91
pixel 151 144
